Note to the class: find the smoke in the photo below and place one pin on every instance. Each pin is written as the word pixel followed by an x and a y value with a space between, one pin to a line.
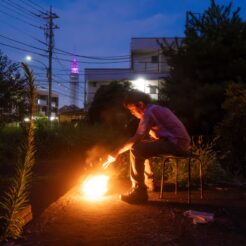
pixel 95 156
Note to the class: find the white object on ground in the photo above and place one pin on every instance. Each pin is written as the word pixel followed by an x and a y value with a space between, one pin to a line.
pixel 199 217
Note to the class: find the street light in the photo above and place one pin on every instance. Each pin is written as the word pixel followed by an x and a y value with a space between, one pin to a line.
pixel 139 84
pixel 29 58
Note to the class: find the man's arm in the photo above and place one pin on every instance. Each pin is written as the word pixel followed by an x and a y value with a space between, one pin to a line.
pixel 128 145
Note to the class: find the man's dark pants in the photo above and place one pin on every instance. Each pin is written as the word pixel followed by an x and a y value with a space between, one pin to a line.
pixel 144 150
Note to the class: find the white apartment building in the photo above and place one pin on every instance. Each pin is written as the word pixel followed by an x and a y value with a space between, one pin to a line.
pixel 42 102
pixel 147 72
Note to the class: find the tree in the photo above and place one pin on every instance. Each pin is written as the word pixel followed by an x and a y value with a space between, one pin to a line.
pixel 232 130
pixel 12 91
pixel 213 53
pixel 107 104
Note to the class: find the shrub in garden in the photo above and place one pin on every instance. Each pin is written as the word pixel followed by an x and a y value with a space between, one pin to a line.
pixel 212 170
pixel 231 131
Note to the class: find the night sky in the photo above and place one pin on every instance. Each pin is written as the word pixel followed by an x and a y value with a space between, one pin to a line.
pixel 98 28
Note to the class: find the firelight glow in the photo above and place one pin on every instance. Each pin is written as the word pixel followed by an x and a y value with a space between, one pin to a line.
pixel 95 187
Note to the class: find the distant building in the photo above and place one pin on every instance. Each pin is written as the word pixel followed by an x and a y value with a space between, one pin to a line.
pixel 70 113
pixel 74 83
pixel 42 102
pixel 148 68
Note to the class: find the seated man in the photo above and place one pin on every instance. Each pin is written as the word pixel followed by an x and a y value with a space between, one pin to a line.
pixel 168 136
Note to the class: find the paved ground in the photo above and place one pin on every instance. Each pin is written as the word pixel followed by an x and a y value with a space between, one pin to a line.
pixel 73 221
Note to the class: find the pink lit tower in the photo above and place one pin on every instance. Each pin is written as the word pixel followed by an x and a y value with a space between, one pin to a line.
pixel 74 82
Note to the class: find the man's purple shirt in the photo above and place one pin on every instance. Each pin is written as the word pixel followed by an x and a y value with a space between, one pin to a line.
pixel 161 122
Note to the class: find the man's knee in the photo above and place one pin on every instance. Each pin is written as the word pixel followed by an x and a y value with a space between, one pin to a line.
pixel 137 150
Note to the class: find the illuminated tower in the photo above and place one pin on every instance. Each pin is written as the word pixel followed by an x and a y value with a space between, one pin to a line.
pixel 74 82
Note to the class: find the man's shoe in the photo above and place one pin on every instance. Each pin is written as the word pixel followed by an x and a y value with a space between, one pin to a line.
pixel 135 195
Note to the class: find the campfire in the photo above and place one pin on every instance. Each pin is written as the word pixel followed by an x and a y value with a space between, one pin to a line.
pixel 95 187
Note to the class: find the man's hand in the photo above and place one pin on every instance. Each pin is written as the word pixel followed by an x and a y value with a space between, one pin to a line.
pixel 110 159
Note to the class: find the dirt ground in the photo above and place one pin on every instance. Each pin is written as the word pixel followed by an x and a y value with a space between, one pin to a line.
pixel 73 221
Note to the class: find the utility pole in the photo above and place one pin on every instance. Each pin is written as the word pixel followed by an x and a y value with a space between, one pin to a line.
pixel 48 29
pixel 85 94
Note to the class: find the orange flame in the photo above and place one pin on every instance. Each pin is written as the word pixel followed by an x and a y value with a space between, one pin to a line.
pixel 95 187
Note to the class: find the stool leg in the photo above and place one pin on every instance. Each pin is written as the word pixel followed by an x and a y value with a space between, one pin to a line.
pixel 176 176
pixel 162 177
pixel 189 194
pixel 201 179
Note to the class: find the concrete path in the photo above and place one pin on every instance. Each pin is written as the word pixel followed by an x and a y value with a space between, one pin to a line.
pixel 74 221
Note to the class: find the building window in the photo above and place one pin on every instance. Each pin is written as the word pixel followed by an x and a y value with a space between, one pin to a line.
pixel 154 59
pixel 43 97
pixel 152 89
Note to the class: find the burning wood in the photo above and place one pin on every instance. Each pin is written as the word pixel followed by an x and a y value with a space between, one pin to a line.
pixel 95 186
pixel 108 162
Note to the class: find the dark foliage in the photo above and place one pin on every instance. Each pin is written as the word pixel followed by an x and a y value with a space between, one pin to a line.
pixel 107 105
pixel 13 96
pixel 16 198
pixel 214 52
pixel 232 131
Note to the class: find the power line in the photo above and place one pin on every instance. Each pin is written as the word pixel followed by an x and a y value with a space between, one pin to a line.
pixel 35 5
pixel 23 32
pixel 60 84
pixel 60 93
pixel 106 60
pixel 60 63
pixel 19 19
pixel 92 57
pixel 17 48
pixel 61 59
pixel 123 57
pixel 64 82
pixel 21 10
pixel 88 62
pixel 22 43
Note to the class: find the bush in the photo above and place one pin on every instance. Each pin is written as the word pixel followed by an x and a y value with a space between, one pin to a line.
pixel 11 137
pixel 231 132
pixel 212 171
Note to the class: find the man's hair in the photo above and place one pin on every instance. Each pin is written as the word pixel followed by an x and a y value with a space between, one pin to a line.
pixel 135 96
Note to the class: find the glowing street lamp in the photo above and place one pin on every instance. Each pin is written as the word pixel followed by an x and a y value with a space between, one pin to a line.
pixel 29 59
pixel 139 84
